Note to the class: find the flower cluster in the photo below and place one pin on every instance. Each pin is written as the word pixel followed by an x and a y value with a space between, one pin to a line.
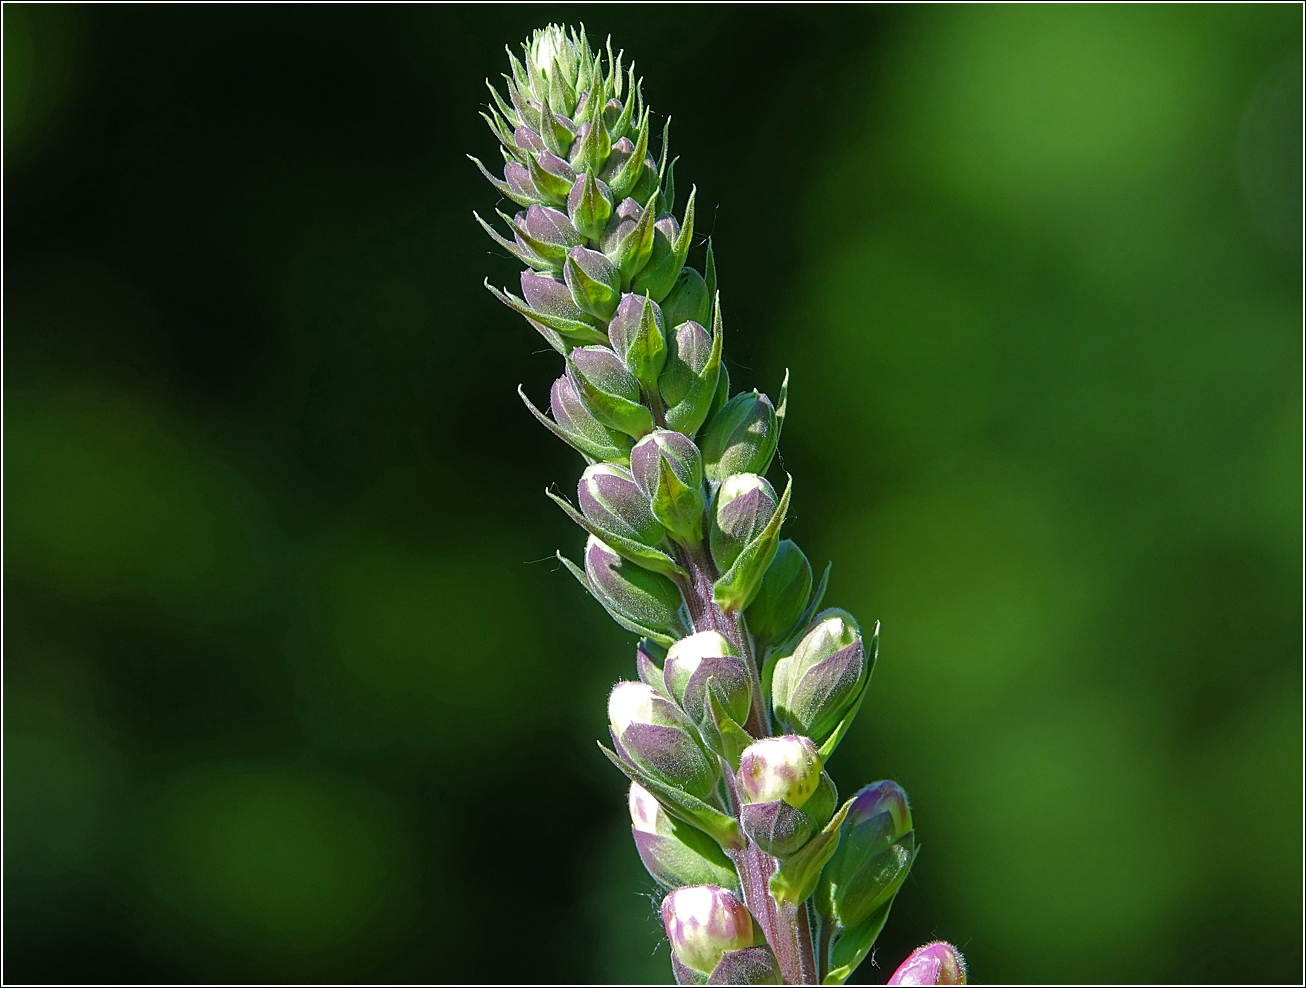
pixel 745 686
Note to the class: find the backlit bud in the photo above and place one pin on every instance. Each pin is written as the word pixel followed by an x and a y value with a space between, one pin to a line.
pixel 875 852
pixel 812 689
pixel 692 661
pixel 589 206
pixel 610 499
pixel 741 438
pixel 937 963
pixel 675 853
pixel 609 389
pixel 668 469
pixel 638 337
pixel 593 280
pixel 704 922
pixel 786 767
pixel 577 424
pixel 639 600
pixel 652 734
pixel 744 504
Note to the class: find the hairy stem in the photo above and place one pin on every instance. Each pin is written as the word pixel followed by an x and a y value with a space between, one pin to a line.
pixel 785 927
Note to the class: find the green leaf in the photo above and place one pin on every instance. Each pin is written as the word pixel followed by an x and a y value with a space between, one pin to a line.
pixel 636 552
pixel 735 590
pixel 797 875
pixel 723 829
pixel 633 252
pixel 505 189
pixel 851 946
pixel 782 407
pixel 832 742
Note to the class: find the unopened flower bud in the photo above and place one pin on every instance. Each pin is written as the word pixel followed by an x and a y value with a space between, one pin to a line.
pixel 579 426
pixel 937 963
pixel 693 661
pixel 786 767
pixel 812 689
pixel 609 389
pixel 703 923
pixel 642 601
pixel 875 852
pixel 780 829
pixel 546 294
pixel 745 503
pixel 547 231
pixel 688 300
pixel 638 336
pixel 881 797
pixel 741 438
pixel 689 377
pixel 669 470
pixel 593 280
pixel 653 735
pixel 589 206
pixel 610 499
pixel 675 853
pixel 782 597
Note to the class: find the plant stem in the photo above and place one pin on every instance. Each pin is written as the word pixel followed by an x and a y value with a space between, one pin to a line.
pixel 786 928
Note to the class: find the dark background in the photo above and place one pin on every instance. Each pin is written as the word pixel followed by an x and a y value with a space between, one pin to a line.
pixel 293 688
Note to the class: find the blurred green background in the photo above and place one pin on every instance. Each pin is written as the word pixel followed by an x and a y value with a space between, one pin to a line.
pixel 293 689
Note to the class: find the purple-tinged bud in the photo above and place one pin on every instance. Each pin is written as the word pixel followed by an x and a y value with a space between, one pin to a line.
pixel 881 797
pixel 638 335
pixel 528 139
pixel 653 735
pixel 786 767
pixel 589 204
pixel 546 294
pixel 667 225
pixel 875 852
pixel 519 181
pixel 644 602
pixel 749 966
pixel 691 376
pixel 551 175
pixel 594 281
pixel 779 828
pixel 688 300
pixel 692 661
pixel 782 597
pixel 610 499
pixel 813 688
pixel 547 232
pixel 579 427
pixel 703 923
pixel 551 226
pixel 675 854
pixel 741 438
pixel 624 218
pixel 937 963
pixel 610 390
pixel 745 503
pixel 621 151
pixel 688 351
pixel 668 469
pixel 612 113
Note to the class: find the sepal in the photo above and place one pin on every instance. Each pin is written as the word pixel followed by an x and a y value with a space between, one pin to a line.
pixel 798 874
pixel 638 600
pixel 638 336
pixel 675 853
pixel 736 589
pixel 682 805
pixel 610 390
pixel 782 595
pixel 649 558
